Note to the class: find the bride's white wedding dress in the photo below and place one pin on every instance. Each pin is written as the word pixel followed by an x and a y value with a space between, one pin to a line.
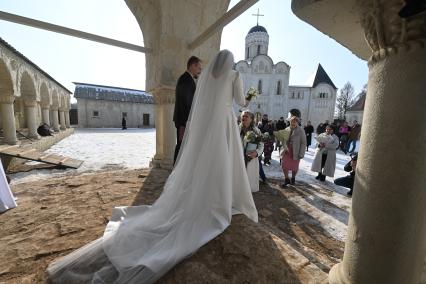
pixel 208 184
pixel 7 201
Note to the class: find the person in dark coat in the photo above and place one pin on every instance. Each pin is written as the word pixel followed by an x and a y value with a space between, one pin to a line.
pixel 348 181
pixel 309 129
pixel 280 125
pixel 123 123
pixel 185 89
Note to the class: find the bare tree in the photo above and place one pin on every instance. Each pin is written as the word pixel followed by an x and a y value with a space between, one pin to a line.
pixel 344 100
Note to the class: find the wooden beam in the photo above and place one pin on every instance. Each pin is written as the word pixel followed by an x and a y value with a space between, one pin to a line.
pixel 228 17
pixel 70 32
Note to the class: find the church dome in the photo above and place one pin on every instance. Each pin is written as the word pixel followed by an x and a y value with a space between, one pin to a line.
pixel 257 28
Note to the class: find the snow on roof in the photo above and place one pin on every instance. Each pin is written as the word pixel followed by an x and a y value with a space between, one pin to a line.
pixel 109 93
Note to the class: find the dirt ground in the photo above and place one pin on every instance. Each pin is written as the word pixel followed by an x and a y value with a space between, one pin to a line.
pixel 56 216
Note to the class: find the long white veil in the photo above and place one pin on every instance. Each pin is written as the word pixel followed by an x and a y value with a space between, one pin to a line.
pixel 208 184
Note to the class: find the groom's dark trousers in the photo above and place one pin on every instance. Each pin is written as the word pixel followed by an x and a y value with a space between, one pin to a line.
pixel 185 89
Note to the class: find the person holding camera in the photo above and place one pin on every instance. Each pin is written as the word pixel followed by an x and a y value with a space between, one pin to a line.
pixel 348 181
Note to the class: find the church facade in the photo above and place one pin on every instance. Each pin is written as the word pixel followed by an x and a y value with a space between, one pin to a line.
pixel 316 101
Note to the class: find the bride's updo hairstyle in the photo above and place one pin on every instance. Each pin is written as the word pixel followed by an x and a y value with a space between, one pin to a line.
pixel 224 62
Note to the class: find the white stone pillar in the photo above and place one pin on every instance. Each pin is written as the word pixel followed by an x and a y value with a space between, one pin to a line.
pixel 62 119
pixel 67 118
pixel 387 226
pixel 164 99
pixel 55 119
pixel 45 114
pixel 31 117
pixel 8 119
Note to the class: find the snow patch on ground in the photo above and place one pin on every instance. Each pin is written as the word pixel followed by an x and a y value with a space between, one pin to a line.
pixel 99 149
pixel 111 148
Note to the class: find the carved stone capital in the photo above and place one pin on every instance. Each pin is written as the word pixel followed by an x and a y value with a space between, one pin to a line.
pixel 164 95
pixel 7 99
pixel 28 103
pixel 54 108
pixel 386 32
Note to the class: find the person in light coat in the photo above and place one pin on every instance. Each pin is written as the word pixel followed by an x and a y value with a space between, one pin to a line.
pixel 325 157
pixel 294 152
pixel 251 157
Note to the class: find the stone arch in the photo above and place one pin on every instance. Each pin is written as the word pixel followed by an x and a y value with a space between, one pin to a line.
pixel 28 98
pixel 6 87
pixel 45 102
pixel 44 94
pixel 19 112
pixel 6 83
pixel 63 102
pixel 55 99
pixel 27 87
pixel 54 110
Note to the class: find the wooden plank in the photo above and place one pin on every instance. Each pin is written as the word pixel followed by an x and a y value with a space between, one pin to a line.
pixel 220 23
pixel 23 154
pixel 41 158
pixel 70 32
pixel 61 162
pixel 7 147
pixel 35 155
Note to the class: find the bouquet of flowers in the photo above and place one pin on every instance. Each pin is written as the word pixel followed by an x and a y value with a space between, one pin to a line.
pixel 252 93
pixel 252 137
pixel 252 140
pixel 323 138
pixel 283 136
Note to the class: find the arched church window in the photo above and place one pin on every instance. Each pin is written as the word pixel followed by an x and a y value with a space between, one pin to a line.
pixel 258 49
pixel 248 50
pixel 279 88
pixel 259 86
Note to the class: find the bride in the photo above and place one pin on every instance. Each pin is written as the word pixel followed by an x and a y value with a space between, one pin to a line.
pixel 207 186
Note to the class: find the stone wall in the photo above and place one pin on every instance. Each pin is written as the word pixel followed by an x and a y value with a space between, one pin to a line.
pixel 110 113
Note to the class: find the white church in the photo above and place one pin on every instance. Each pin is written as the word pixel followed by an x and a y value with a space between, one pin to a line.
pixel 315 101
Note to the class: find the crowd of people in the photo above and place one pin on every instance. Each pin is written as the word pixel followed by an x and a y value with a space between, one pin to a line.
pixel 330 137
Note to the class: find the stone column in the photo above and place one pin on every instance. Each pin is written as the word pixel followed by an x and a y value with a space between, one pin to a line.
pixel 55 119
pixel 168 38
pixel 8 119
pixel 31 113
pixel 45 114
pixel 164 99
pixel 62 119
pixel 387 226
pixel 67 118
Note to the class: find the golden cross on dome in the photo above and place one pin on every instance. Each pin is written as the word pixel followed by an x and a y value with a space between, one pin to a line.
pixel 258 15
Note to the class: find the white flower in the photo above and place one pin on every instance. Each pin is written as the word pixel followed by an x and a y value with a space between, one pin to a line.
pixel 252 93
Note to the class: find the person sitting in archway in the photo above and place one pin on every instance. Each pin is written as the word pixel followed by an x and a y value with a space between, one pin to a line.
pixel 348 181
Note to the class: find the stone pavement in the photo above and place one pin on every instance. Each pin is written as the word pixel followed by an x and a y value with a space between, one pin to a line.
pixel 56 216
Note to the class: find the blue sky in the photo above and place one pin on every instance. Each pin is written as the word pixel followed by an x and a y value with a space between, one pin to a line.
pixel 69 59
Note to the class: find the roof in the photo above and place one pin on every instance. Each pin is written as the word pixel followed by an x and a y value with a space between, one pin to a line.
pixel 109 93
pixel 359 104
pixel 322 77
pixel 11 48
pixel 257 28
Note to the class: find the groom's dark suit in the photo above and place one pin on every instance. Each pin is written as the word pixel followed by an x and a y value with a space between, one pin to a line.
pixel 185 89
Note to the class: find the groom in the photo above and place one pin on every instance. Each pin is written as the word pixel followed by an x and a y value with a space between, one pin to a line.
pixel 185 89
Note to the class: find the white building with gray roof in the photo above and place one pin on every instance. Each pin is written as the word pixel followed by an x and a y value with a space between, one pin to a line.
pixel 315 101
pixel 105 106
